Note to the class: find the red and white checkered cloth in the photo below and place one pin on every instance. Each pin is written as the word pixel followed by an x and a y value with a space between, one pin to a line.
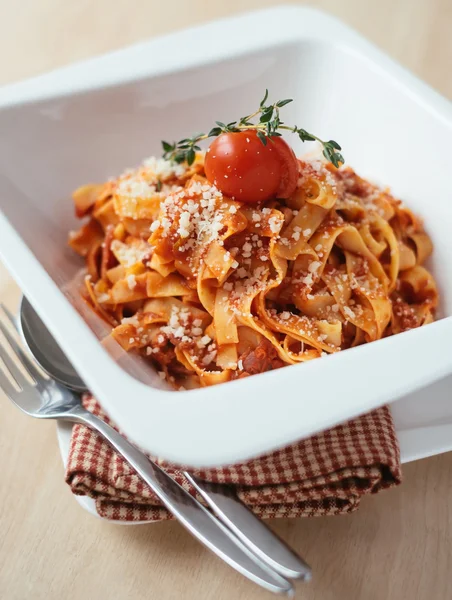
pixel 326 474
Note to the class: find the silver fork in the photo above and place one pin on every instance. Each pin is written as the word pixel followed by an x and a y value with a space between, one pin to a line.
pixel 44 398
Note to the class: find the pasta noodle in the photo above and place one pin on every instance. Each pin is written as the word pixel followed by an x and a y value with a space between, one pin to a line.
pixel 211 289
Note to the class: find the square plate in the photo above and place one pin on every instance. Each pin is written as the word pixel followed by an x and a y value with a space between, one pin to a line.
pixel 91 120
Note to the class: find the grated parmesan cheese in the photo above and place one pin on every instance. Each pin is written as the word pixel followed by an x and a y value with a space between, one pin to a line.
pixel 314 266
pixel 129 255
pixel 348 311
pixel 131 281
pixel 164 169
pixel 136 187
pixel 196 212
pixel 274 222
pixel 131 321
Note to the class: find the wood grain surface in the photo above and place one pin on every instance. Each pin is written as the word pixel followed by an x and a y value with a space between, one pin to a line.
pixel 397 547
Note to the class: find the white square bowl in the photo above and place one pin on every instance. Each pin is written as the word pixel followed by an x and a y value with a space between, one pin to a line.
pixel 89 121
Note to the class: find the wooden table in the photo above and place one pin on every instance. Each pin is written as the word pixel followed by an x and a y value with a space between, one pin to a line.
pixel 398 546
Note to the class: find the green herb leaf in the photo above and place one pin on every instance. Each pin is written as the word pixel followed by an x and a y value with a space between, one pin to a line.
pixel 264 99
pixel 337 159
pixel 334 144
pixel 266 115
pixel 328 154
pixel 282 103
pixel 214 132
pixel 305 136
pixel 262 137
pixel 168 147
pixel 220 124
pixel 179 157
pixel 191 155
pixel 245 120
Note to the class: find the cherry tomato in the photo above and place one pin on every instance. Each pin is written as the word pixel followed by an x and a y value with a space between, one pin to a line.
pixel 241 167
pixel 289 169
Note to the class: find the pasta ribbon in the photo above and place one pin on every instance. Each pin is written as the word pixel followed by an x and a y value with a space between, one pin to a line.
pixel 211 290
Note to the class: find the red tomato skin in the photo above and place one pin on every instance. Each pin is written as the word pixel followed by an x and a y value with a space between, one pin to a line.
pixel 290 170
pixel 245 169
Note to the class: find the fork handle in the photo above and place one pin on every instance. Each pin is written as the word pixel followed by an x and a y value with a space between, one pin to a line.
pixel 189 512
pixel 256 536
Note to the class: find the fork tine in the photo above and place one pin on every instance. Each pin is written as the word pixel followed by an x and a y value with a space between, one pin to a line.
pixel 7 386
pixel 26 361
pixel 14 370
pixel 9 314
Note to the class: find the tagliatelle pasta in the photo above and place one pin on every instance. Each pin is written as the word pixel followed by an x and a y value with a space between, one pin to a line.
pixel 212 289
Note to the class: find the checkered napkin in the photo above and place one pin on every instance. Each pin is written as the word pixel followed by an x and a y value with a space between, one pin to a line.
pixel 326 474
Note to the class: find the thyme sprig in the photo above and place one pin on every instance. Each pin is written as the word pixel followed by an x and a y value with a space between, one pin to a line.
pixel 269 125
